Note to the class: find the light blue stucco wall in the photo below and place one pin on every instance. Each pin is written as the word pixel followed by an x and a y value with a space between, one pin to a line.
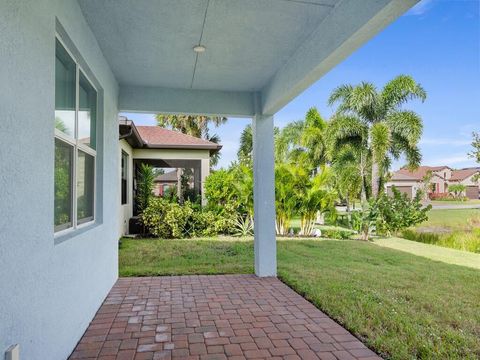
pixel 48 292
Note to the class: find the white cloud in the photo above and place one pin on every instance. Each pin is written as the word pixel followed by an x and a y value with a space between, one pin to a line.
pixel 455 160
pixel 421 8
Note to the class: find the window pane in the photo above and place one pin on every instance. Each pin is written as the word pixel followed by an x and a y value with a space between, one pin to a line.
pixel 124 177
pixel 87 115
pixel 63 185
pixel 85 186
pixel 65 74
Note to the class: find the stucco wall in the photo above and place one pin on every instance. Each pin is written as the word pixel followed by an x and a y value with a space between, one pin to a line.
pixel 469 181
pixel 49 292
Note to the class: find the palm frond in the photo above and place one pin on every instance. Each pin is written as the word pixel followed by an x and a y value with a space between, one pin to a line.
pixel 406 124
pixel 400 90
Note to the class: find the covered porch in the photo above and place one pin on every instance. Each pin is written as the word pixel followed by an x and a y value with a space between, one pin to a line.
pixel 232 59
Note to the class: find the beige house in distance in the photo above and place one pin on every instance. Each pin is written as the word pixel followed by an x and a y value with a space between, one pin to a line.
pixel 410 182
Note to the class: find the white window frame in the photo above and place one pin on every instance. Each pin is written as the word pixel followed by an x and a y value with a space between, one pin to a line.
pixel 77 145
pixel 127 170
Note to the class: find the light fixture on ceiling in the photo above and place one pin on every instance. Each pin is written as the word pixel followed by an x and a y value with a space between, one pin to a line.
pixel 199 49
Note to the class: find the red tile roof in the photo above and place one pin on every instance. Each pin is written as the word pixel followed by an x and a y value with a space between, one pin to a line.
pixel 458 175
pixel 157 137
pixel 416 174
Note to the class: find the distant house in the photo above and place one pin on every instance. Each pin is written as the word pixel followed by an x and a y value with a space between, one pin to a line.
pixel 161 148
pixel 467 177
pixel 165 182
pixel 410 182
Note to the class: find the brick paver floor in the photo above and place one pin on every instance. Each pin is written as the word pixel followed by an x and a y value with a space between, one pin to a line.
pixel 213 317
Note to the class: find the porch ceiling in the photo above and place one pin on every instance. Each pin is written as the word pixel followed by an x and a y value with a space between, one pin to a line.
pixel 273 47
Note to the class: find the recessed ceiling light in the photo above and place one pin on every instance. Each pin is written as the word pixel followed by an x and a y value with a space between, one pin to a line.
pixel 199 49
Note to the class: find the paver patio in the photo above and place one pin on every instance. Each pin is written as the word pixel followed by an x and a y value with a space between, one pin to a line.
pixel 213 317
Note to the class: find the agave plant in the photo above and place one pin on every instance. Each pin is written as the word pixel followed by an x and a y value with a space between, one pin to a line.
pixel 243 226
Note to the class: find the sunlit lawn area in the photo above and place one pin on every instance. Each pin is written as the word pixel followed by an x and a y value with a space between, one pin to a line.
pixel 454 228
pixel 453 219
pixel 401 305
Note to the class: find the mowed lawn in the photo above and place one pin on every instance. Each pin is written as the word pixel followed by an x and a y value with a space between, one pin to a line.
pixel 401 305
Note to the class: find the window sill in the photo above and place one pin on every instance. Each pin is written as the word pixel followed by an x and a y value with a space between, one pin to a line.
pixel 69 234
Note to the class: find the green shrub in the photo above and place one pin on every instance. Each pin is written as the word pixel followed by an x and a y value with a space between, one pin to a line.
pixel 220 190
pixel 166 219
pixel 398 212
pixel 337 234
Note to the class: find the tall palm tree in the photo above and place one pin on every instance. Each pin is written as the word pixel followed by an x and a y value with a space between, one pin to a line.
pixel 376 122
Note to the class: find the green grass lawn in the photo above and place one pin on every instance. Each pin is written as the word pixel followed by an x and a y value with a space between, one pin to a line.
pixel 453 228
pixel 401 305
pixel 453 219
pixel 433 252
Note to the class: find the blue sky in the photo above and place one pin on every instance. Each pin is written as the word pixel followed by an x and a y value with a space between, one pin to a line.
pixel 438 43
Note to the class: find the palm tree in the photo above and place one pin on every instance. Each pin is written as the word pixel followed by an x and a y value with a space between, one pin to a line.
pixel 303 141
pixel 376 123
pixel 215 157
pixel 245 149
pixel 347 175
pixel 195 125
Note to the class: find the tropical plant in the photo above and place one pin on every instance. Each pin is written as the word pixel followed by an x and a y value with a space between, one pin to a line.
pixel 145 186
pixel 315 196
pixel 245 150
pixel 243 226
pixel 475 153
pixel 220 190
pixel 287 181
pixel 303 142
pixel 376 123
pixel 347 175
pixel 166 219
pixel 398 212
pixel 244 184
pixel 457 190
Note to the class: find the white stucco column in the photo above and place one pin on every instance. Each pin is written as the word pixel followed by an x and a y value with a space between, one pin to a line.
pixel 204 172
pixel 264 196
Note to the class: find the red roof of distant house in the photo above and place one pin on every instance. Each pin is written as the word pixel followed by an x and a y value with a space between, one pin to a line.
pixel 417 174
pixel 458 175
pixel 161 138
pixel 157 137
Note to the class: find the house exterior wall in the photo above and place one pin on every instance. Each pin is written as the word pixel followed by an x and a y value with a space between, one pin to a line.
pixel 416 186
pixel 126 210
pixel 444 173
pixel 469 181
pixel 51 288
